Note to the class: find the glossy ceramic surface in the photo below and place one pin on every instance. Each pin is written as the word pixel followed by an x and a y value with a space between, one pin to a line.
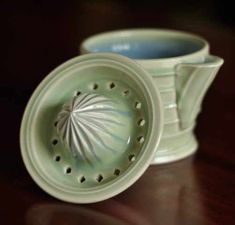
pixel 91 128
pixel 182 69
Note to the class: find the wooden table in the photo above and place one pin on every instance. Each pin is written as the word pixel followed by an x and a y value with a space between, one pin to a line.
pixel 199 190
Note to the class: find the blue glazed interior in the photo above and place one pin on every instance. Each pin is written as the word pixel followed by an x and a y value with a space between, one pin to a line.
pixel 148 49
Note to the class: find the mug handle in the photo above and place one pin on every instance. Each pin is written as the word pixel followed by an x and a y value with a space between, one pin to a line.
pixel 192 83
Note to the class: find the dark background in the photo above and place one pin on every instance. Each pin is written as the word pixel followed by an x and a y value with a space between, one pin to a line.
pixel 37 36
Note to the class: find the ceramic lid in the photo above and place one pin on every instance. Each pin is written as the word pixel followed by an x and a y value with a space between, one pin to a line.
pixel 91 128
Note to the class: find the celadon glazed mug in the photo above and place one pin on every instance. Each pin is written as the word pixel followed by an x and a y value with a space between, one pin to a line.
pixel 95 123
pixel 182 70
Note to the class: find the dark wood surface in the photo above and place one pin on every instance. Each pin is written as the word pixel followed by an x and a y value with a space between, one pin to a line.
pixel 200 190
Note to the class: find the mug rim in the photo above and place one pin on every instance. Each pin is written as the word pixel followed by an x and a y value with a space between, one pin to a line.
pixel 145 31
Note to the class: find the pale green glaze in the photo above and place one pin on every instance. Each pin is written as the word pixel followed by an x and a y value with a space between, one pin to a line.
pixel 182 72
pixel 91 128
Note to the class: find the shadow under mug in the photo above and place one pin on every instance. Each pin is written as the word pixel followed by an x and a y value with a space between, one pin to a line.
pixel 182 70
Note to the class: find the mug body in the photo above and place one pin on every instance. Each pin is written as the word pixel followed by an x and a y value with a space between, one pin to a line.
pixel 159 52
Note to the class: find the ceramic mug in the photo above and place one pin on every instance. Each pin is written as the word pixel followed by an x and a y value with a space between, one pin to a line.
pixel 182 69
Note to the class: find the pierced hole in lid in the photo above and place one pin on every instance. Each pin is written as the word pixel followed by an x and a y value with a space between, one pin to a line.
pixel 57 158
pixel 55 124
pixel 68 170
pixel 112 85
pixel 78 93
pixel 131 158
pixel 116 172
pixel 140 139
pixel 55 142
pixel 141 122
pixel 99 178
pixel 82 179
pixel 95 86
pixel 137 105
pixel 126 92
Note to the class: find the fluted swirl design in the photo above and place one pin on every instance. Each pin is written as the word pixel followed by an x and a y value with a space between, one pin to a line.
pixel 90 125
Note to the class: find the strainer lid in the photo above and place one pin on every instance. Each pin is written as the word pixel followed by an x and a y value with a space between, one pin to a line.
pixel 91 128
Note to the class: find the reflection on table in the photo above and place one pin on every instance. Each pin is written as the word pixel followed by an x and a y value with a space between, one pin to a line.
pixel 161 196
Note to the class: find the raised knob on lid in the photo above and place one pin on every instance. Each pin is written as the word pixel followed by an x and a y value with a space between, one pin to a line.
pixel 92 126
